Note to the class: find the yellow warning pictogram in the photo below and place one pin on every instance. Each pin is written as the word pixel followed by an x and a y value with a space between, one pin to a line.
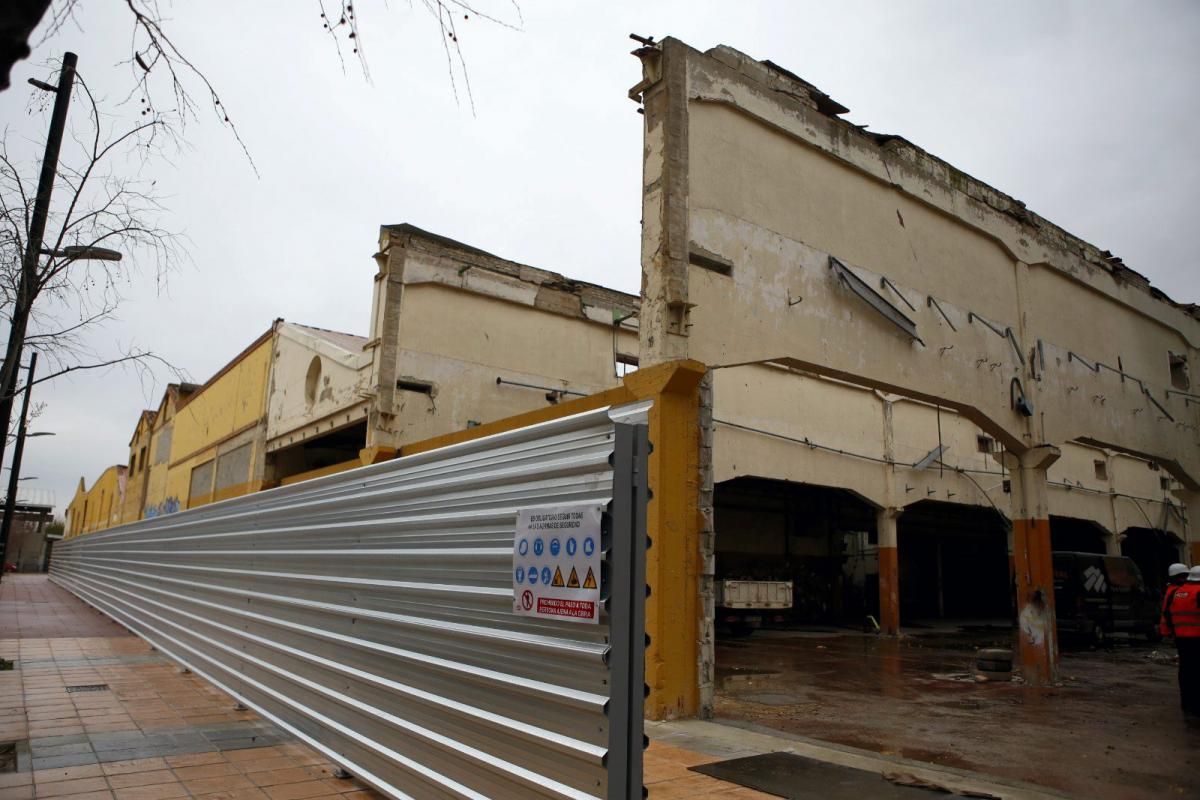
pixel 557 577
pixel 590 581
pixel 573 581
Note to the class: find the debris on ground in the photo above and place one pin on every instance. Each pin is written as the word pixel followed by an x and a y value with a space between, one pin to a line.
pixel 1160 657
pixel 907 779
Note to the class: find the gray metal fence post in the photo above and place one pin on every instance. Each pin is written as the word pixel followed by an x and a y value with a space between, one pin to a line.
pixel 627 609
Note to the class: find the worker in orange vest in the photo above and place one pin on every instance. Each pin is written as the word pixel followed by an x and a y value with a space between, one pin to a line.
pixel 1176 576
pixel 1182 620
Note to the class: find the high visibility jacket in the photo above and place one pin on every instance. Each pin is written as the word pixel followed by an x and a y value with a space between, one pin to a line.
pixel 1164 627
pixel 1183 613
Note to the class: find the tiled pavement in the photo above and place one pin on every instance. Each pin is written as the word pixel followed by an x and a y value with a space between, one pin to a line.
pixel 99 715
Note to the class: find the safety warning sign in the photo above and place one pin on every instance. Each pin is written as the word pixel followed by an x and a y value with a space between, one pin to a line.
pixel 556 563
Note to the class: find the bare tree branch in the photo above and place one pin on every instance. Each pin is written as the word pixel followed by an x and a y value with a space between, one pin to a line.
pixel 141 359
pixel 96 203
pixel 153 52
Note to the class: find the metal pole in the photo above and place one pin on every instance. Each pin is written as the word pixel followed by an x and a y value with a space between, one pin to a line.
pixel 14 474
pixel 33 245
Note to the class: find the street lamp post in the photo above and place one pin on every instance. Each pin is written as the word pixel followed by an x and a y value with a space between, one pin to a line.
pixel 26 287
pixel 14 476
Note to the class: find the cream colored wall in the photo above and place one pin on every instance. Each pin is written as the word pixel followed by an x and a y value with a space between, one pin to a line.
pixel 833 416
pixel 1100 328
pixel 343 383
pixel 460 342
pixel 737 168
pixel 569 352
pixel 746 171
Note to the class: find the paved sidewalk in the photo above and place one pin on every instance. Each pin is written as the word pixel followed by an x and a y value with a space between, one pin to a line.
pixel 99 715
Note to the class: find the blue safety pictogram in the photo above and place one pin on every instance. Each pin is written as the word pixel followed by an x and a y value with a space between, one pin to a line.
pixel 538 547
pixel 533 576
pixel 589 546
pixel 546 575
pixel 523 547
pixel 571 546
pixel 554 547
pixel 520 575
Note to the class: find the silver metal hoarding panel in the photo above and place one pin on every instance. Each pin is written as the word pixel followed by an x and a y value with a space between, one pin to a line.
pixel 370 614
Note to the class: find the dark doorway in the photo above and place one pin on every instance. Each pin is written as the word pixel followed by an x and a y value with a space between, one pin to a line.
pixel 1076 535
pixel 334 447
pixel 1153 550
pixel 817 537
pixel 953 563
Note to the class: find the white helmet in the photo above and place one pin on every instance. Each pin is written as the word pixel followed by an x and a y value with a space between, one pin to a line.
pixel 1194 575
pixel 1176 569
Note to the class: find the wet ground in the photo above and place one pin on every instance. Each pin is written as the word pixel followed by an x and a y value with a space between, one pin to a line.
pixel 90 712
pixel 1113 729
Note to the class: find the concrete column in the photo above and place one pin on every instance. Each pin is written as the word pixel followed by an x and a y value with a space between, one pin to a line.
pixel 889 571
pixel 663 321
pixel 1191 530
pixel 1112 543
pixel 1033 564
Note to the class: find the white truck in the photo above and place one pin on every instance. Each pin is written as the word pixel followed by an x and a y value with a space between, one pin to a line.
pixel 742 605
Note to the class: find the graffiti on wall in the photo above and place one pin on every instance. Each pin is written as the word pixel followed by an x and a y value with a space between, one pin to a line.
pixel 168 506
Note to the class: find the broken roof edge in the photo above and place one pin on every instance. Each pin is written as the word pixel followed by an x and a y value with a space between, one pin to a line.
pixel 772 76
pixel 516 269
pixel 350 342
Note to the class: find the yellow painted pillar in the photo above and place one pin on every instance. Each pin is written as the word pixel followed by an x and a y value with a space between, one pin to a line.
pixel 376 454
pixel 673 519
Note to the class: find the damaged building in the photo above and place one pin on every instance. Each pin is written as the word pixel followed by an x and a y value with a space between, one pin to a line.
pixel 914 387
pixel 457 337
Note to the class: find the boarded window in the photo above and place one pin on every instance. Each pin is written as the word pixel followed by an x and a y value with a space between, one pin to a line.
pixel 162 448
pixel 233 467
pixel 202 480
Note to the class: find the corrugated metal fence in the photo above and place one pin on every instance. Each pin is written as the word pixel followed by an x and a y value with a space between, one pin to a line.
pixel 370 613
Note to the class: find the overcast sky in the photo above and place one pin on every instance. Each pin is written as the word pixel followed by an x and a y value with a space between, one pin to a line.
pixel 1086 111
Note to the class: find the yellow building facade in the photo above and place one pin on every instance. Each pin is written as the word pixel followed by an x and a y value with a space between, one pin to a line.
pixel 99 507
pixel 203 443
pixel 217 434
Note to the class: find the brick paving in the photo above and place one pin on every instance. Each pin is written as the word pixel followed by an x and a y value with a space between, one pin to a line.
pixel 99 715
pixel 31 607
